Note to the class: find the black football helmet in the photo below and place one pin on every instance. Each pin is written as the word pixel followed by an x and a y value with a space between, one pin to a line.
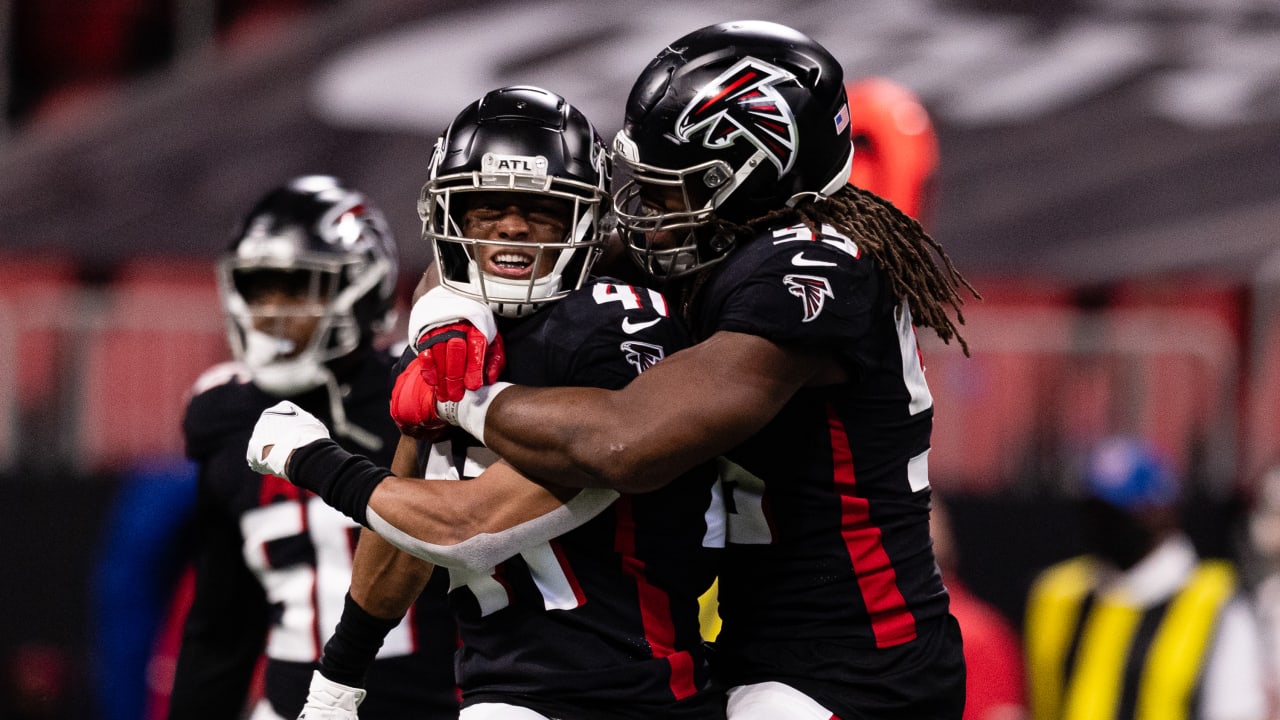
pixel 320 240
pixel 517 139
pixel 729 122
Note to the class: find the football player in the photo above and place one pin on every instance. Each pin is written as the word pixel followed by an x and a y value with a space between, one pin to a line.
pixel 804 293
pixel 305 286
pixel 569 604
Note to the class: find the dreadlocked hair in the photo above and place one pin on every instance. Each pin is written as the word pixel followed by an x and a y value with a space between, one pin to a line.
pixel 898 245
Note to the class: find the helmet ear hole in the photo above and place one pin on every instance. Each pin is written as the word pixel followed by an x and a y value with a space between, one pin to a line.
pixel 721 241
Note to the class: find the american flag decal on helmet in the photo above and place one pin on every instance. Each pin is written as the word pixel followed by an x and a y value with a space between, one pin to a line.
pixel 842 118
pixel 744 102
pixel 641 354
pixel 812 291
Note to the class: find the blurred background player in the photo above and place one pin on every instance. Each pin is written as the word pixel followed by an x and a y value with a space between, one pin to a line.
pixel 306 286
pixel 1141 627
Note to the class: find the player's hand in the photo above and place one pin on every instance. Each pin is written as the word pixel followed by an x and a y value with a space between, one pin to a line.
pixel 459 342
pixel 281 429
pixel 329 700
pixel 413 404
pixel 458 357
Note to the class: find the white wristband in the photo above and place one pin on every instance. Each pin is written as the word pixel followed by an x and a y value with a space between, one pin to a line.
pixel 469 412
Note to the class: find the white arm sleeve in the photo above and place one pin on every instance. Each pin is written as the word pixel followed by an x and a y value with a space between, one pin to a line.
pixel 486 550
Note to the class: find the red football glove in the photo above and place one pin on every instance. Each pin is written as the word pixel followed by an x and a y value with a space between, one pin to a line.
pixel 413 404
pixel 457 357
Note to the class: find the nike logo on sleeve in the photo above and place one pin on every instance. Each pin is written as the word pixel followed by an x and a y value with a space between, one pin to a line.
pixel 801 261
pixel 631 328
pixel 291 412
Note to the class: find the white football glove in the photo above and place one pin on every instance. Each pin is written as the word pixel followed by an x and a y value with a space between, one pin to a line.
pixel 328 700
pixel 283 427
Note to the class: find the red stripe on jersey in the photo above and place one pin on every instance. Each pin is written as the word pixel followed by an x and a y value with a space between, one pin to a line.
pixel 499 576
pixel 275 488
pixel 411 620
pixel 891 620
pixel 579 597
pixel 655 606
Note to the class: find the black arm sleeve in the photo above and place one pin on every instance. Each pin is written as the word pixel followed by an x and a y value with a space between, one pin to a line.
pixel 355 641
pixel 345 481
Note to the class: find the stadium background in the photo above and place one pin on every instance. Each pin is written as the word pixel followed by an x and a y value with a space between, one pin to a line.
pixel 1110 181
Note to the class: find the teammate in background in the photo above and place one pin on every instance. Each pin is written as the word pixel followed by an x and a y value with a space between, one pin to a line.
pixel 1141 627
pixel 305 286
pixel 569 604
pixel 804 292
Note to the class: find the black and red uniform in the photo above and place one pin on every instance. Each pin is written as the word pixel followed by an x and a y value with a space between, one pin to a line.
pixel 601 622
pixel 829 551
pixel 274 565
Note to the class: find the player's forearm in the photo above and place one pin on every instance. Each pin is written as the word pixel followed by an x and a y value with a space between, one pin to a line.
pixel 477 523
pixel 582 437
pixel 385 580
pixel 473 524
pixel 677 414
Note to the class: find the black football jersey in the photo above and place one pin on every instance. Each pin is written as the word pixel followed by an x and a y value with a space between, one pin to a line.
pixel 829 502
pixel 274 566
pixel 601 622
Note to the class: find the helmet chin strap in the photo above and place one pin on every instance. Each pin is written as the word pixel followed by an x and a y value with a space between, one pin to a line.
pixel 341 425
pixel 739 177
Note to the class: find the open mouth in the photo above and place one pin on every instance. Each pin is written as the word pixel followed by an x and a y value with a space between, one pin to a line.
pixel 509 264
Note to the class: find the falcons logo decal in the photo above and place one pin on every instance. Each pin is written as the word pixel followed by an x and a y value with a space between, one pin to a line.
pixel 642 355
pixel 811 290
pixel 744 102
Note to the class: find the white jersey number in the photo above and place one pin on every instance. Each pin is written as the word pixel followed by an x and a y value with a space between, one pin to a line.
pixel 312 595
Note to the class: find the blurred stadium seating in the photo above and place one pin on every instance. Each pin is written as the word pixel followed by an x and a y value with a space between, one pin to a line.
pixel 38 296
pixel 1052 371
pixel 158 325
